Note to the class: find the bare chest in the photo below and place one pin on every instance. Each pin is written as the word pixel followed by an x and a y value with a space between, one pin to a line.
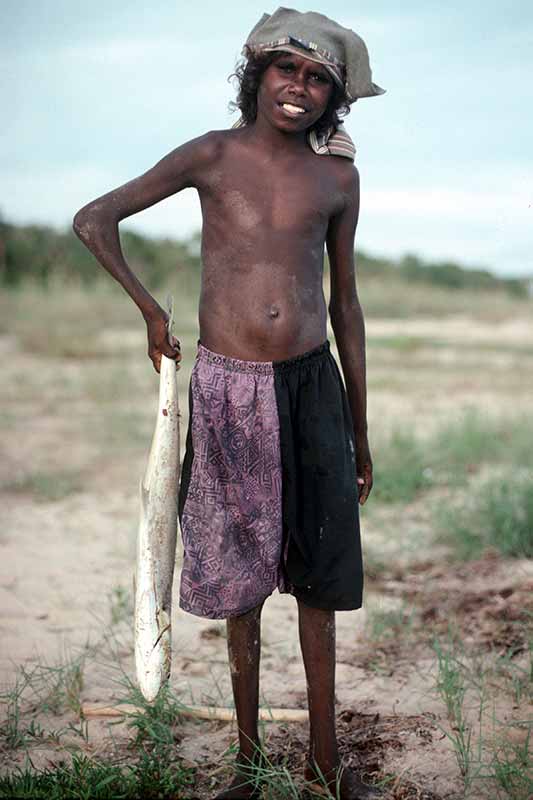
pixel 244 197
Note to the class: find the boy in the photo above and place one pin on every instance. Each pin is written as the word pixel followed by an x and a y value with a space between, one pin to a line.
pixel 277 455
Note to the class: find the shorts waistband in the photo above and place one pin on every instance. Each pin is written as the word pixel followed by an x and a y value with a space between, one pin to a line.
pixel 312 355
pixel 261 367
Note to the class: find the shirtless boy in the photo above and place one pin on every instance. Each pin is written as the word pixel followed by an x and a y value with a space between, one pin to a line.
pixel 277 456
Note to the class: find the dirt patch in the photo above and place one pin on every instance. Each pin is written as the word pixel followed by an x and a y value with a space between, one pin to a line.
pixel 488 601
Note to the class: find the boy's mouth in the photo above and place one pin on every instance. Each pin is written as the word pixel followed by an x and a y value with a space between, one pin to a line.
pixel 293 110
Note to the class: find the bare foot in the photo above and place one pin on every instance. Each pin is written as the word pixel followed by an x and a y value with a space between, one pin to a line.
pixel 241 788
pixel 246 783
pixel 349 786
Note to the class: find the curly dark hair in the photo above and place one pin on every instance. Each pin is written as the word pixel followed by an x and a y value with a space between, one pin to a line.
pixel 249 72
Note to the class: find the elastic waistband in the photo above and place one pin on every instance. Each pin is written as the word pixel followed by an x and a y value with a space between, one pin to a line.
pixel 297 361
pixel 261 367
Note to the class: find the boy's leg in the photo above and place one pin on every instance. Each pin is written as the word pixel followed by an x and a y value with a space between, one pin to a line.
pixel 244 649
pixel 317 639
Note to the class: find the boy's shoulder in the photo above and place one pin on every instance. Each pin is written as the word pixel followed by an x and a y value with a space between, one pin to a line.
pixel 218 137
pixel 212 144
pixel 215 144
pixel 346 170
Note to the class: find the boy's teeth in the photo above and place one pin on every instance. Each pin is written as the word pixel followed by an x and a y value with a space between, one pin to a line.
pixel 293 108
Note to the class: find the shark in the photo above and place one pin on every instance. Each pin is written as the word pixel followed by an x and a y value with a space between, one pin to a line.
pixel 156 537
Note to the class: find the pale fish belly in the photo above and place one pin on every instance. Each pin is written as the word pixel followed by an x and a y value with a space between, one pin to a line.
pixel 156 541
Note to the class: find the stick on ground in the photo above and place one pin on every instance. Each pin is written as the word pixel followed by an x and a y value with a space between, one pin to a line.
pixel 93 710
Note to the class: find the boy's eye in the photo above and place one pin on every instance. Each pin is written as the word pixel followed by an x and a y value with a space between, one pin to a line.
pixel 317 76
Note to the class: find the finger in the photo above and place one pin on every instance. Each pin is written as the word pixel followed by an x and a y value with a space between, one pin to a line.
pixel 170 352
pixel 363 491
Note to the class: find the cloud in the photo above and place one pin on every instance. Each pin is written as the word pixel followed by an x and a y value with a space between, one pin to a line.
pixel 481 228
pixel 52 197
pixel 434 203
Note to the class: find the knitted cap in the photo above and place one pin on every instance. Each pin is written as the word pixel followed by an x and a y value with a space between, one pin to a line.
pixel 321 39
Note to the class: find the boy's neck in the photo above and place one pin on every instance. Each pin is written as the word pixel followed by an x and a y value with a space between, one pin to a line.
pixel 275 142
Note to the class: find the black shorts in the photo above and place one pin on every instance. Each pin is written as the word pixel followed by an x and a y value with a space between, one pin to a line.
pixel 268 495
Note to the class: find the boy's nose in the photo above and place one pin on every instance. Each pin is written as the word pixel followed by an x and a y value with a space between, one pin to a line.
pixel 296 86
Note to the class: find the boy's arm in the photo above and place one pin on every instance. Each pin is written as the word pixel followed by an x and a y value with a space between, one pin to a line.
pixel 96 224
pixel 347 320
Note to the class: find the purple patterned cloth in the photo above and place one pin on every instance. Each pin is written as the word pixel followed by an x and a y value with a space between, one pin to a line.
pixel 231 518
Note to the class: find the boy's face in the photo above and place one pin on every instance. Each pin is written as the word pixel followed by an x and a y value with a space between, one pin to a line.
pixel 291 82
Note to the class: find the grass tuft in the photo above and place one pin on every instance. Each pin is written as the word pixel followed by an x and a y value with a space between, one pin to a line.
pixel 400 470
pixel 513 767
pixel 515 665
pixel 388 623
pixel 153 724
pixel 405 465
pixel 459 448
pixel 41 689
pixel 498 514
pixel 85 779
pixel 452 685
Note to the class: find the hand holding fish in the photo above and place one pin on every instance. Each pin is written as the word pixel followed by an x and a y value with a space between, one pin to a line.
pixel 160 342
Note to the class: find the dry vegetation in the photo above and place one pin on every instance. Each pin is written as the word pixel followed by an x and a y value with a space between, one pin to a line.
pixel 435 674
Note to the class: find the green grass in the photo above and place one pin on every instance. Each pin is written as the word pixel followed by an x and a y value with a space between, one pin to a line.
pixel 275 779
pixel 518 676
pixel 406 464
pixel 403 344
pixel 391 297
pixel 388 623
pixel 452 685
pixel 496 514
pixel 71 320
pixel 87 779
pixel 412 343
pixel 400 469
pixel 462 446
pixel 46 487
pixel 152 724
pixel 491 757
pixel 513 766
pixel 45 690
pixel 39 690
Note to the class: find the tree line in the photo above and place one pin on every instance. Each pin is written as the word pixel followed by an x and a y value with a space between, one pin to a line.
pixel 42 254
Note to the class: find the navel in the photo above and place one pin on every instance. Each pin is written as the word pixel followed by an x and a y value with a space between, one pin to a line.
pixel 274 312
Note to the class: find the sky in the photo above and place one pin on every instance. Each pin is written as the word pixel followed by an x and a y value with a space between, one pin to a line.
pixel 94 94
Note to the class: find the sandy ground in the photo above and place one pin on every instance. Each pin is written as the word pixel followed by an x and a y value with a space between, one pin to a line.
pixel 75 435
